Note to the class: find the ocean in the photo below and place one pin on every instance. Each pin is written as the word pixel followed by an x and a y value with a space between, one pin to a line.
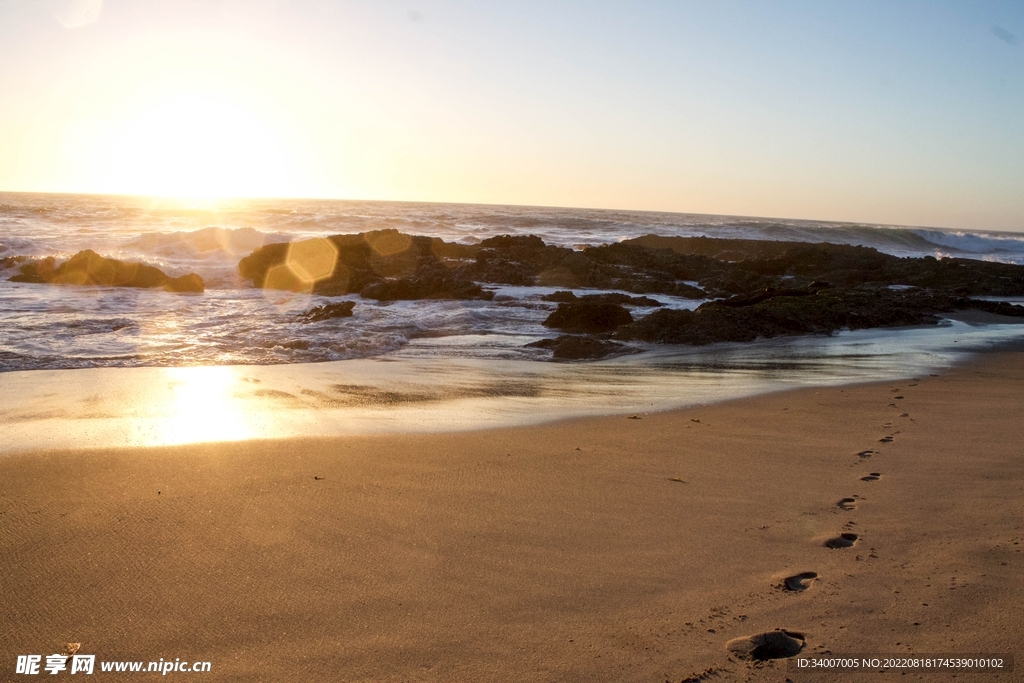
pixel 392 366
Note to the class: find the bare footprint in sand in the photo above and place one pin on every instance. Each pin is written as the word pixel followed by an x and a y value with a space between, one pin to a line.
pixel 867 454
pixel 872 476
pixel 776 644
pixel 799 582
pixel 887 439
pixel 841 541
pixel 847 504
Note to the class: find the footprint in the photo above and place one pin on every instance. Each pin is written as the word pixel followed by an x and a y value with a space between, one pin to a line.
pixel 776 644
pixel 867 454
pixel 841 541
pixel 847 504
pixel 897 397
pixel 886 439
pixel 799 582
pixel 872 476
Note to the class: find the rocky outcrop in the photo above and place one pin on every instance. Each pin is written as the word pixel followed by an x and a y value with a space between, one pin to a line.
pixel 566 297
pixel 384 264
pixel 388 265
pixel 763 289
pixel 749 265
pixel 574 347
pixel 588 317
pixel 341 309
pixel 817 311
pixel 89 268
pixel 435 285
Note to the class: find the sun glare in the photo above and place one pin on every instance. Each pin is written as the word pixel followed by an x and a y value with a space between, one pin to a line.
pixel 197 147
pixel 203 407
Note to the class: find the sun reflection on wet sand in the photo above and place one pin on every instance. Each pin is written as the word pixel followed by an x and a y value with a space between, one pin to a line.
pixel 117 407
pixel 203 406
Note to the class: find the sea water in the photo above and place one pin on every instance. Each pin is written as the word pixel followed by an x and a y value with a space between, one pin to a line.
pixel 96 366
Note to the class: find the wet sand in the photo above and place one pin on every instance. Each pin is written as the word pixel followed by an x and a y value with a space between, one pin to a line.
pixel 601 549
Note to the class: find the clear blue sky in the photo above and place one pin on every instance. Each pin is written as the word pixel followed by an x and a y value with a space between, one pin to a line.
pixel 890 112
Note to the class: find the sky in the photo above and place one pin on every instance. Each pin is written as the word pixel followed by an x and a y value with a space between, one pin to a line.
pixel 906 113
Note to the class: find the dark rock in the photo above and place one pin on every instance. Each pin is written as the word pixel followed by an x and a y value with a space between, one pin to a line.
pixel 588 317
pixel 641 269
pixel 436 287
pixel 612 298
pixel 518 242
pixel 520 260
pixel 823 311
pixel 997 307
pixel 185 283
pixel 572 347
pixel 770 293
pixel 341 309
pixel 389 265
pixel 383 264
pixel 765 262
pixel 89 268
pixel 43 271
pixel 8 262
pixel 686 291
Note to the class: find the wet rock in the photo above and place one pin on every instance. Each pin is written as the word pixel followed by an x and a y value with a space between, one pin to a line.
pixel 997 307
pixel 765 262
pixel 573 347
pixel 588 317
pixel 611 298
pixel 820 311
pixel 389 265
pixel 341 309
pixel 641 269
pixel 8 262
pixel 518 260
pixel 185 283
pixel 89 268
pixel 382 264
pixel 425 287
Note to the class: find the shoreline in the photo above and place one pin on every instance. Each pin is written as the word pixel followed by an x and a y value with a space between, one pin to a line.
pixel 508 554
pixel 412 393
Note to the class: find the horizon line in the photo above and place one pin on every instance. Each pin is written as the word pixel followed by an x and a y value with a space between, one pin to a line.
pixel 227 199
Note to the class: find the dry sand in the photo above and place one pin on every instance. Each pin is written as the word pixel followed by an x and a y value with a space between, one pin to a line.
pixel 608 549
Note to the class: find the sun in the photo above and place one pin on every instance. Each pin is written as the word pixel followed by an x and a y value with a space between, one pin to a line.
pixel 197 147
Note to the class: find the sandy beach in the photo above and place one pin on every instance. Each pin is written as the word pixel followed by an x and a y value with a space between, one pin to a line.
pixel 604 549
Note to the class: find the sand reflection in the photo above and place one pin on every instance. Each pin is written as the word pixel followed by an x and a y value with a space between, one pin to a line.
pixel 202 406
